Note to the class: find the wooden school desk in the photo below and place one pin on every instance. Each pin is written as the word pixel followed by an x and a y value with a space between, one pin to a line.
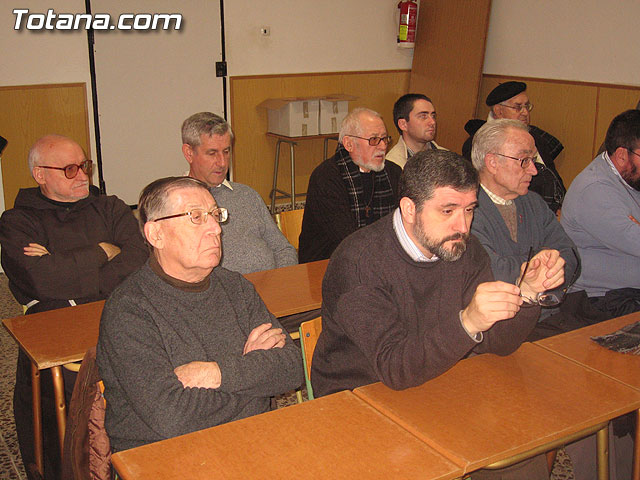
pixel 495 411
pixel 51 339
pixel 625 368
pixel 57 337
pixel 338 436
pixel 290 290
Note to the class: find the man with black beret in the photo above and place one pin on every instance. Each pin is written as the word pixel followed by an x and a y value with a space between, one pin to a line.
pixel 510 100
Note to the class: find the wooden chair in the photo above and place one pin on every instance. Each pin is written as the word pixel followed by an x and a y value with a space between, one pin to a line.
pixel 290 224
pixel 309 333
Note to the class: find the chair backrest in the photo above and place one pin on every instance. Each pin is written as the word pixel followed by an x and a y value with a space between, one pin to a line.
pixel 309 332
pixel 290 224
pixel 87 452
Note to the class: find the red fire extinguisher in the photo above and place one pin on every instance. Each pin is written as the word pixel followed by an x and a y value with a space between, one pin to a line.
pixel 407 27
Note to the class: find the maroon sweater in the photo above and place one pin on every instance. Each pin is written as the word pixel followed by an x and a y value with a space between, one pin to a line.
pixel 387 318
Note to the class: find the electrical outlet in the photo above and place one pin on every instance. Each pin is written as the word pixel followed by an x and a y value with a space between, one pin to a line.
pixel 265 31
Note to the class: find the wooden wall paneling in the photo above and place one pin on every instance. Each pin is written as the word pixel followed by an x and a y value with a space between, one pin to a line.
pixel 31 111
pixel 254 152
pixel 448 61
pixel 611 102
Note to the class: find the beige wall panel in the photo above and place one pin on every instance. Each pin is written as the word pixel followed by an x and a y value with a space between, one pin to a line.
pixel 30 112
pixel 567 110
pixel 254 152
pixel 611 102
pixel 447 62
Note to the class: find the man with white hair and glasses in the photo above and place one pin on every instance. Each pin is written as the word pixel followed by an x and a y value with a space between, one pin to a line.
pixel 186 344
pixel 62 244
pixel 518 230
pixel 350 190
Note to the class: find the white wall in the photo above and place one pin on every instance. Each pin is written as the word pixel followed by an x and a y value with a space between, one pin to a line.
pixel 148 83
pixel 313 36
pixel 584 40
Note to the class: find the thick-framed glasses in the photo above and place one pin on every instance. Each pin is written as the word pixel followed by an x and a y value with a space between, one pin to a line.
pixel 373 141
pixel 198 216
pixel 524 162
pixel 70 171
pixel 519 108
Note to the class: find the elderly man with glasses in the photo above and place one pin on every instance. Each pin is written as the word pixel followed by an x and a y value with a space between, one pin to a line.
pixel 62 244
pixel 186 344
pixel 519 232
pixel 350 190
pixel 510 100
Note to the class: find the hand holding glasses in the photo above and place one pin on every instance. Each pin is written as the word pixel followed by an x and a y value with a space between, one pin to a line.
pixel 549 299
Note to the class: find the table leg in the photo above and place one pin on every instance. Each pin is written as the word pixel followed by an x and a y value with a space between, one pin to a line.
pixel 293 175
pixel 602 441
pixel 636 449
pixel 61 409
pixel 274 190
pixel 37 418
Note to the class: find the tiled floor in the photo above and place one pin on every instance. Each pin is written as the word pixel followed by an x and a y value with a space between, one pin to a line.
pixel 10 463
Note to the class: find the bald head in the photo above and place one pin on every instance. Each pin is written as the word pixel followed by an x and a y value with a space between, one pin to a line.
pixel 47 159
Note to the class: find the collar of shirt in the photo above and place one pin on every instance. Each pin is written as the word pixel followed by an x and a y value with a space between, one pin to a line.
pixel 407 244
pixel 495 198
pixel 226 183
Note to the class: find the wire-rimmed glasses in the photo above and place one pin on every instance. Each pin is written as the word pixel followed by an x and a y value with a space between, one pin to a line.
pixel 71 170
pixel 547 300
pixel 524 162
pixel 520 107
pixel 199 216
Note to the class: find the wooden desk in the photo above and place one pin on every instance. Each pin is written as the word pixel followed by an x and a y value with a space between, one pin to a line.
pixel 579 347
pixel 51 339
pixel 290 290
pixel 338 436
pixel 495 411
pixel 57 337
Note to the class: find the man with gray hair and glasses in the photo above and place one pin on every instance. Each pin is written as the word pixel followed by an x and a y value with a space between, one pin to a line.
pixel 518 230
pixel 62 244
pixel 252 241
pixel 184 343
pixel 350 190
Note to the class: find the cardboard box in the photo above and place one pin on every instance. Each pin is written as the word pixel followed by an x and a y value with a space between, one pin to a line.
pixel 293 117
pixel 301 117
pixel 333 109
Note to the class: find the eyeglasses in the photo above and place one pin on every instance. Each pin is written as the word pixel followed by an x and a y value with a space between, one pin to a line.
pixel 551 299
pixel 524 162
pixel 199 216
pixel 373 141
pixel 70 171
pixel 520 107
pixel 630 150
